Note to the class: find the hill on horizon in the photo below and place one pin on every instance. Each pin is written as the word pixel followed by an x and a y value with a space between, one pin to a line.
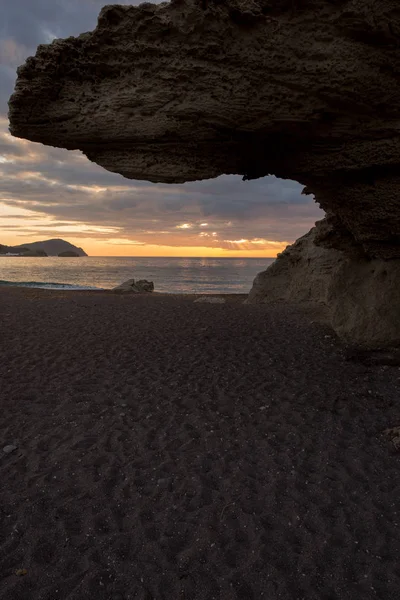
pixel 52 247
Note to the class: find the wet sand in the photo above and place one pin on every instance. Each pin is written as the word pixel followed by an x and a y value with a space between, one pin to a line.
pixel 173 450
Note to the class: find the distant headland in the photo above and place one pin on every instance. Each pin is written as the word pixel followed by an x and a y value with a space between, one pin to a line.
pixel 54 247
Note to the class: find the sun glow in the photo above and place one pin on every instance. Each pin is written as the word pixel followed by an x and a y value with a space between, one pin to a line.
pixel 48 193
pixel 184 226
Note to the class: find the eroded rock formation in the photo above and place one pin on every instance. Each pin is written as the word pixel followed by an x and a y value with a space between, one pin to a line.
pixel 362 295
pixel 304 89
pixel 301 273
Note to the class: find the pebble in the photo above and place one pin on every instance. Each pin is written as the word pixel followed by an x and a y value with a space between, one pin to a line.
pixel 163 481
pixel 124 404
pixel 10 448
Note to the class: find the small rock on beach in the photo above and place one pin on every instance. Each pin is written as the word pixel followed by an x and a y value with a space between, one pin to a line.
pixel 142 286
pixel 9 448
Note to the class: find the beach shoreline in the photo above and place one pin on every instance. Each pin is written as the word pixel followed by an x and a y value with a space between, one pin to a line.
pixel 172 450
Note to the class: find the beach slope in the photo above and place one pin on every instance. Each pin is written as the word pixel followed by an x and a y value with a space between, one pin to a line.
pixel 174 450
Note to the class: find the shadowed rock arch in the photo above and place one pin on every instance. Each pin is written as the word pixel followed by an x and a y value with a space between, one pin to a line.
pixel 302 89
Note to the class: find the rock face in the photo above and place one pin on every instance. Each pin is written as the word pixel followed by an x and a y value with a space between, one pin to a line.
pixel 364 302
pixel 301 273
pixel 304 89
pixel 142 286
pixel 362 295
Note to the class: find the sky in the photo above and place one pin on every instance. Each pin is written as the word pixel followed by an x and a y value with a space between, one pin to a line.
pixel 48 192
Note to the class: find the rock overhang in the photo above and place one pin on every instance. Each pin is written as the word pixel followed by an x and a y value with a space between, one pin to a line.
pixel 306 90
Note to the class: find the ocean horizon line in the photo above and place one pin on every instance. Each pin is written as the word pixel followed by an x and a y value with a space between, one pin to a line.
pixel 177 257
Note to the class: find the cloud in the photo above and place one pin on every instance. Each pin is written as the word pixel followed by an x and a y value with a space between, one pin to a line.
pixel 25 24
pixel 52 191
pixel 64 186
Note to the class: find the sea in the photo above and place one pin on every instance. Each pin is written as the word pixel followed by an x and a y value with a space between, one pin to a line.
pixel 170 275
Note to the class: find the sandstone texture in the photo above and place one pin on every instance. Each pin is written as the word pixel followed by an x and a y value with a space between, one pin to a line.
pixel 142 286
pixel 301 273
pixel 362 295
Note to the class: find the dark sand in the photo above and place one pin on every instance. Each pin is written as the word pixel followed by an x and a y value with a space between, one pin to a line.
pixel 173 450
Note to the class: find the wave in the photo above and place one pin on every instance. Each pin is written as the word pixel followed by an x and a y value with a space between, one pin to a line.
pixel 47 285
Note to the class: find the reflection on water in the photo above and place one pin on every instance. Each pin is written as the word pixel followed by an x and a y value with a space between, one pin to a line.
pixel 183 263
pixel 181 275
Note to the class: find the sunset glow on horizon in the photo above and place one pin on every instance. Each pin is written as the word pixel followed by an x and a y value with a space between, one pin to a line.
pixel 48 192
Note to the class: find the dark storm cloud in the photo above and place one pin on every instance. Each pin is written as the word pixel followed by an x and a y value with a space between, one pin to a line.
pixel 66 187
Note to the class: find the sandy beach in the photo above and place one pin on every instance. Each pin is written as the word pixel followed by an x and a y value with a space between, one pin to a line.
pixel 173 450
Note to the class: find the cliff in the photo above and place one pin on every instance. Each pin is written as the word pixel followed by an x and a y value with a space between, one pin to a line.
pixel 305 89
